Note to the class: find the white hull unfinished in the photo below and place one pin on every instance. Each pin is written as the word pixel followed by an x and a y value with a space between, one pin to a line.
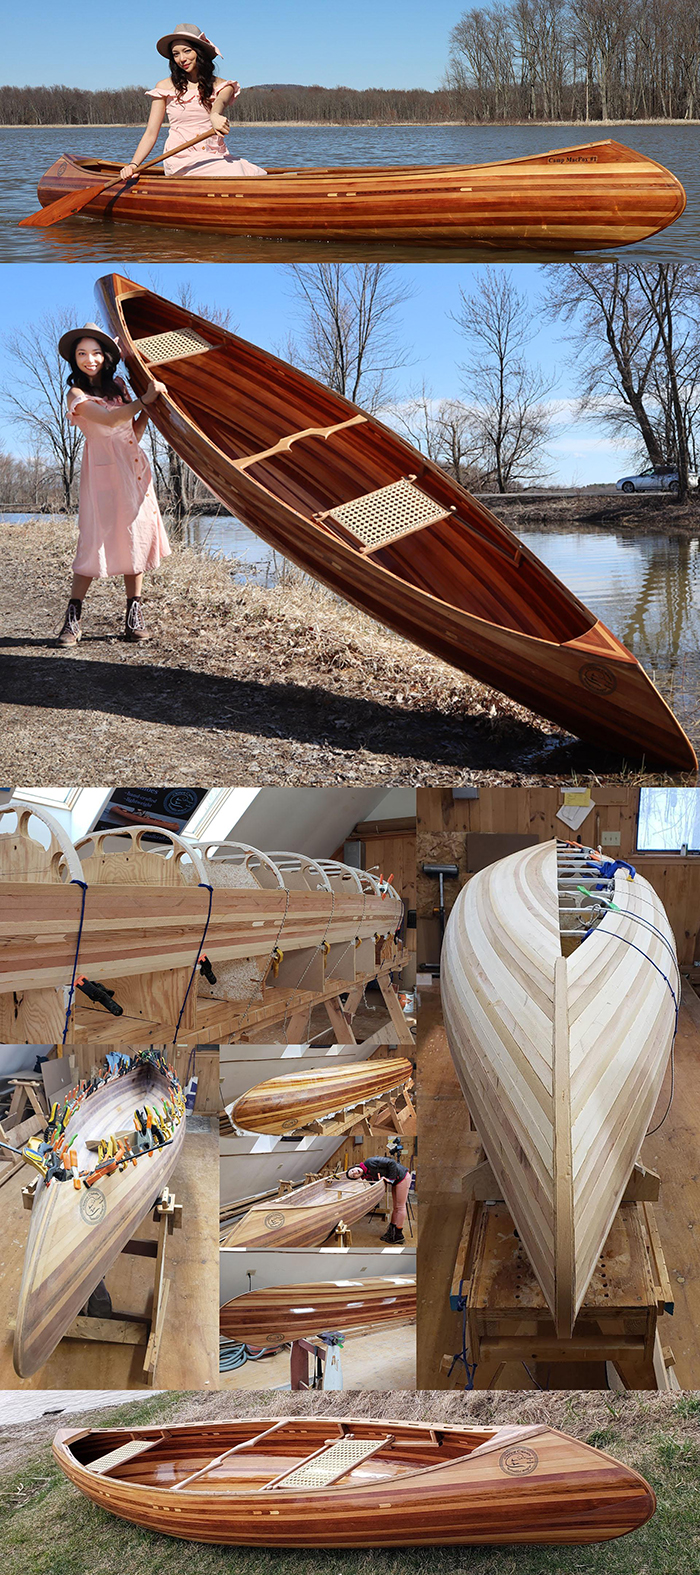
pixel 560 1015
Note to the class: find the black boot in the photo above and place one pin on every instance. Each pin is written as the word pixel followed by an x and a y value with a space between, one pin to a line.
pixel 71 632
pixel 394 1235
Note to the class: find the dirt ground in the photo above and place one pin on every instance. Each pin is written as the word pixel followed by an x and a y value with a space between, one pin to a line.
pixel 239 684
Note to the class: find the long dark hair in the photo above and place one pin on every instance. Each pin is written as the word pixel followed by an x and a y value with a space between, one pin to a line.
pixel 105 385
pixel 205 73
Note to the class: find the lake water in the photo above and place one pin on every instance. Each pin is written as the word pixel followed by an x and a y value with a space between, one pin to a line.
pixel 646 589
pixel 26 152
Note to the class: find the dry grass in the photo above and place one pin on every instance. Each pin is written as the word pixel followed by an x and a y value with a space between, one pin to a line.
pixel 49 1529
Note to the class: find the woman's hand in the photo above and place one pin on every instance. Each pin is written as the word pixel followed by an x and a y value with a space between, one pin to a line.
pixel 127 171
pixel 152 392
pixel 220 124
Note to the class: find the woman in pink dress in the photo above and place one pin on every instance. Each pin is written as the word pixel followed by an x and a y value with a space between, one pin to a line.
pixel 194 98
pixel 120 530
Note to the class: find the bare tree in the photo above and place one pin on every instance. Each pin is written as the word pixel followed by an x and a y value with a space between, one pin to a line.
pixel 348 332
pixel 506 396
pixel 441 429
pixel 36 397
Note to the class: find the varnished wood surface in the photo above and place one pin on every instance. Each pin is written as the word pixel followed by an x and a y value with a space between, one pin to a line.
pixel 74 1235
pixel 464 588
pixel 594 195
pixel 305 1216
pixel 283 1104
pixel 561 1059
pixel 426 1485
pixel 291 1312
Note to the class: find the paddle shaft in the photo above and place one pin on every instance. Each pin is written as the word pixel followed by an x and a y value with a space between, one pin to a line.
pixel 74 201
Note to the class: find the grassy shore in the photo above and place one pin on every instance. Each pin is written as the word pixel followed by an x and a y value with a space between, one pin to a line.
pixel 48 1528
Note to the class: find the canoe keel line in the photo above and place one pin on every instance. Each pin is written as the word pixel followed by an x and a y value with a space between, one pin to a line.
pixel 560 991
pixel 352 1483
pixel 103 1158
pixel 355 506
pixel 593 196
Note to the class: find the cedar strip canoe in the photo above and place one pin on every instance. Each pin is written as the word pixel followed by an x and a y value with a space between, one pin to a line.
pixel 293 1312
pixel 560 1016
pixel 305 1216
pixel 75 1234
pixel 283 1104
pixel 587 197
pixel 352 504
pixel 322 1482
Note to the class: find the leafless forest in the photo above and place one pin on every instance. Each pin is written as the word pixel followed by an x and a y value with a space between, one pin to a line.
pixel 512 60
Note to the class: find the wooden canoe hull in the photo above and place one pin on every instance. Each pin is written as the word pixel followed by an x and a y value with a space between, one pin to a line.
pixel 593 196
pixel 526 1485
pixel 464 588
pixel 293 1312
pixel 283 1104
pixel 306 1216
pixel 561 1059
pixel 75 1236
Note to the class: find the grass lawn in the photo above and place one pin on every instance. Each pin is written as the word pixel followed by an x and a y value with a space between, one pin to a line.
pixel 48 1528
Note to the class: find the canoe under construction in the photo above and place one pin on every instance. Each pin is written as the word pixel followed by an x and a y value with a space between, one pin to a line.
pixel 560 991
pixel 588 197
pixel 351 503
pixel 305 1216
pixel 322 1482
pixel 284 1104
pixel 294 1312
pixel 106 1157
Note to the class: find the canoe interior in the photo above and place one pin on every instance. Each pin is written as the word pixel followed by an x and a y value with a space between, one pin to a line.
pixel 466 559
pixel 180 1453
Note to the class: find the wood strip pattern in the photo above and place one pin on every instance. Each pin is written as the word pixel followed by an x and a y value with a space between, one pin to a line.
pixel 76 1234
pixel 424 1485
pixel 464 588
pixel 293 1312
pixel 284 1104
pixel 306 1215
pixel 561 1058
pixel 594 195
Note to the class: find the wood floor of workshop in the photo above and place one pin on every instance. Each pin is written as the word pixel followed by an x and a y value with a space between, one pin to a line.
pixel 447 1152
pixel 385 1359
pixel 190 1345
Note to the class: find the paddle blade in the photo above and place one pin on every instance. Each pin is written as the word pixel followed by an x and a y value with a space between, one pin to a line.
pixel 71 203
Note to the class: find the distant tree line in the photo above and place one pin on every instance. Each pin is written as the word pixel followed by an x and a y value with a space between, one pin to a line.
pixel 65 106
pixel 576 60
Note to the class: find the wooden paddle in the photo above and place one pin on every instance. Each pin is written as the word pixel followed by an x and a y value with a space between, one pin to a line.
pixel 75 200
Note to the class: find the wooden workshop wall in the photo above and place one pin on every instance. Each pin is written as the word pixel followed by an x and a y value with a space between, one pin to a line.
pixel 443 824
pixel 390 849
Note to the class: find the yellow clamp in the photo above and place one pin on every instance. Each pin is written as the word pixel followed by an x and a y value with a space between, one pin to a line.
pixel 325 947
pixel 276 959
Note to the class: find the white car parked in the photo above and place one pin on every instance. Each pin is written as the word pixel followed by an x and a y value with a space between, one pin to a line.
pixel 661 478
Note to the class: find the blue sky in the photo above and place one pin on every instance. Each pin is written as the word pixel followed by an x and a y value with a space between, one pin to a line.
pixel 393 43
pixel 259 299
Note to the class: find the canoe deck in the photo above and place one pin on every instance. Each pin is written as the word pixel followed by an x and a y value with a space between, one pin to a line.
pixel 331 1482
pixel 355 506
pixel 588 197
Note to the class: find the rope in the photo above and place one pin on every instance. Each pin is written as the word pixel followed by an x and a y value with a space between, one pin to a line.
pixel 200 949
pixel 273 949
pixel 71 990
pixel 461 1356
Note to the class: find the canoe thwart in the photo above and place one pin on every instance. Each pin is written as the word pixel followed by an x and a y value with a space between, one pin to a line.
pixel 285 443
pixel 329 1463
pixel 378 517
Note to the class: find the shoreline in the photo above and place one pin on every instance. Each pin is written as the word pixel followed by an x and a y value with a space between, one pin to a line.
pixel 349 125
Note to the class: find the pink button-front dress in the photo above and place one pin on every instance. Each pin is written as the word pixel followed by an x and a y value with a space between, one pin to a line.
pixel 187 117
pixel 120 530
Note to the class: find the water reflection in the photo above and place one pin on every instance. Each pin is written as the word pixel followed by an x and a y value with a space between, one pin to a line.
pixel 26 152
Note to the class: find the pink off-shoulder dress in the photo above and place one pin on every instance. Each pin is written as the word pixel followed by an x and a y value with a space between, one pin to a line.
pixel 120 530
pixel 187 117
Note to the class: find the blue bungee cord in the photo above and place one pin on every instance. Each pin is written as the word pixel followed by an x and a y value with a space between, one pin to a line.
pixel 71 988
pixel 205 887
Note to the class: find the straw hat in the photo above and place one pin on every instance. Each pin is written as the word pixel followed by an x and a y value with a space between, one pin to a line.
pixel 72 337
pixel 187 33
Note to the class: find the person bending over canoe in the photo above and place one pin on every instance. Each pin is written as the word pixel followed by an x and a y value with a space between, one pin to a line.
pixel 400 1178
pixel 120 530
pixel 194 98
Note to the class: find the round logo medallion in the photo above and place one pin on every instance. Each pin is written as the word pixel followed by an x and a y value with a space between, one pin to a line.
pixel 598 679
pixel 273 1221
pixel 93 1206
pixel 518 1461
